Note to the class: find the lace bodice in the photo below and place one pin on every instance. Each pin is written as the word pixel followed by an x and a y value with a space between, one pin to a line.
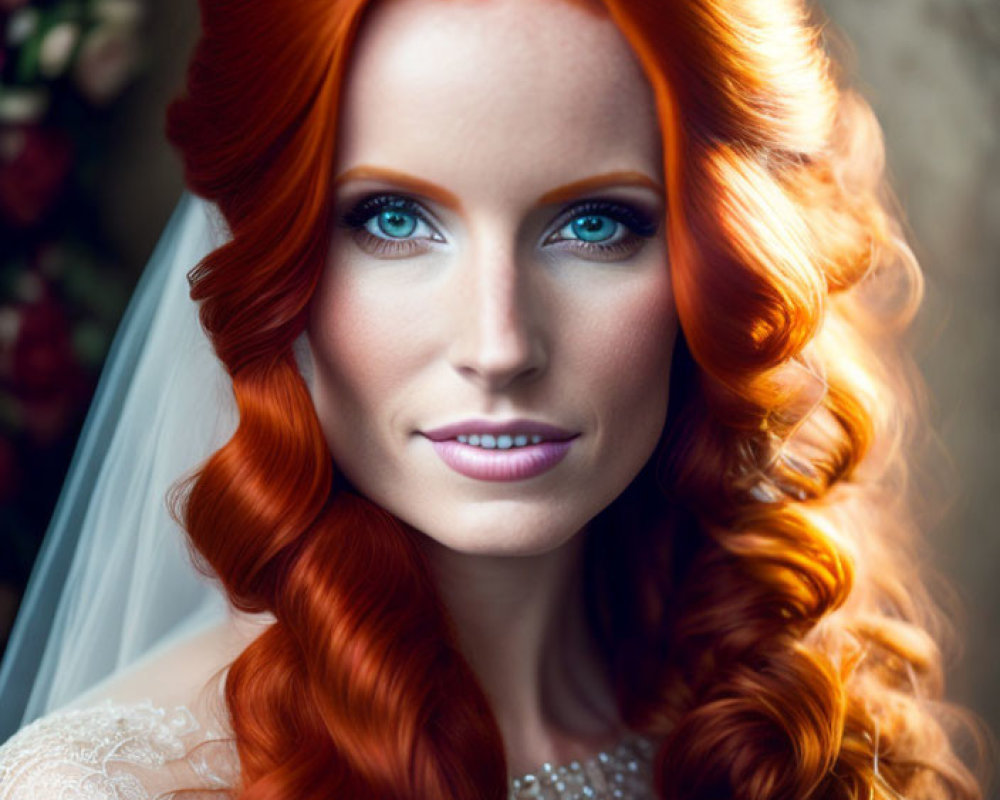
pixel 143 752
pixel 109 752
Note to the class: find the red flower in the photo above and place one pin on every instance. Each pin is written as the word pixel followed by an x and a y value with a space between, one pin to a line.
pixel 34 165
pixel 41 369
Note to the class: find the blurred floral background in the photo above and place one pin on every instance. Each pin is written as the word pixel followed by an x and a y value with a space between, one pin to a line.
pixel 87 182
pixel 63 284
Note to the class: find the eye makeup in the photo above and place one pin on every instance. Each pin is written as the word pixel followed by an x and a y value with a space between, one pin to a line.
pixel 371 219
pixel 634 218
pixel 631 227
pixel 389 225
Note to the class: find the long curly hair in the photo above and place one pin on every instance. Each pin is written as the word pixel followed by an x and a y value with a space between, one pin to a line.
pixel 755 590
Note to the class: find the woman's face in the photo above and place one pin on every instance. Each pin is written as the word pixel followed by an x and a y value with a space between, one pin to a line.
pixel 493 334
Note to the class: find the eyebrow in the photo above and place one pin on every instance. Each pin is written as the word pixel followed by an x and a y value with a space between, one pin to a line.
pixel 410 183
pixel 439 194
pixel 604 181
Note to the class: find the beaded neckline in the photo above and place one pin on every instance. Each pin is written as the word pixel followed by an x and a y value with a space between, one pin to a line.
pixel 623 773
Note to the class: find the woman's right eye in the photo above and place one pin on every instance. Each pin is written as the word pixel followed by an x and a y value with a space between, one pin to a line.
pixel 391 226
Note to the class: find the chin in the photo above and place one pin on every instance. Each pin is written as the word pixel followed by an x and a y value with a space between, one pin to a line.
pixel 509 533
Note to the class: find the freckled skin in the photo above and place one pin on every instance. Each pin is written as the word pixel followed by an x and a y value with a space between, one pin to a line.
pixel 497 103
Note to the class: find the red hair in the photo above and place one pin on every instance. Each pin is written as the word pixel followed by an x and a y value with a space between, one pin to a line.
pixel 753 589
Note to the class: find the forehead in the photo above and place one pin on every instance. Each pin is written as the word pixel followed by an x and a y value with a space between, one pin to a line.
pixel 462 87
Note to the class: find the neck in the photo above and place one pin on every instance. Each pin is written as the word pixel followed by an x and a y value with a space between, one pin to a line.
pixel 521 625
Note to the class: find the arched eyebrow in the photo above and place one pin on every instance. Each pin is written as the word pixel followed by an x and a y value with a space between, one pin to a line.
pixel 606 180
pixel 410 183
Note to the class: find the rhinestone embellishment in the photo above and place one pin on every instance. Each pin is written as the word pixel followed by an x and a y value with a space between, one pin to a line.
pixel 625 773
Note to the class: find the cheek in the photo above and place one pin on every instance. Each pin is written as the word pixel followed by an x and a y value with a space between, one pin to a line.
pixel 625 349
pixel 362 356
pixel 360 342
pixel 353 362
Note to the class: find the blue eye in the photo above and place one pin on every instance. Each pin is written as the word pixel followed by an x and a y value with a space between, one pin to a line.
pixel 391 218
pixel 603 230
pixel 397 224
pixel 594 228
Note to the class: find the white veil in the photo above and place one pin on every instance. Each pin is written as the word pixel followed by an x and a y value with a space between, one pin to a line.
pixel 113 581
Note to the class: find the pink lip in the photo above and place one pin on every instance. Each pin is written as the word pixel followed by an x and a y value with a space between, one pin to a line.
pixel 515 464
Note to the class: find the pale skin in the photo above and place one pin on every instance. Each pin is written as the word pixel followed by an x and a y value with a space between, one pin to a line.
pixel 500 124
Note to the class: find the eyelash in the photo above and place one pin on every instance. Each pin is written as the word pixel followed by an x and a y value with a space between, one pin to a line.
pixel 638 226
pixel 357 218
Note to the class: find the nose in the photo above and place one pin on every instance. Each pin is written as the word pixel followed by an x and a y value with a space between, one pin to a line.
pixel 498 338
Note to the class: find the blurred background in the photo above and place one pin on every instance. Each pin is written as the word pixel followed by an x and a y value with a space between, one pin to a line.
pixel 87 182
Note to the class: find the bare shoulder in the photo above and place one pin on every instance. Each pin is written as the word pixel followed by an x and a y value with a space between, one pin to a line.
pixel 158 729
pixel 189 672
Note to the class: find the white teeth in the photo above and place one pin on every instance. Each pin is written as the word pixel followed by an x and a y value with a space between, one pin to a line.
pixel 504 441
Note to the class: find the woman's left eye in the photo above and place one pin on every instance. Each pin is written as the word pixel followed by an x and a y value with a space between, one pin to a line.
pixel 603 230
pixel 593 228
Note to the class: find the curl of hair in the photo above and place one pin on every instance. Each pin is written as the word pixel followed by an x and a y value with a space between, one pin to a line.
pixel 754 589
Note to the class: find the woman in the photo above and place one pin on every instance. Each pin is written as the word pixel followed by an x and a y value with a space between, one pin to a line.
pixel 473 251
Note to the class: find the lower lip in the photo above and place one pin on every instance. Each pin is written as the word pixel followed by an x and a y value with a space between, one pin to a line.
pixel 515 464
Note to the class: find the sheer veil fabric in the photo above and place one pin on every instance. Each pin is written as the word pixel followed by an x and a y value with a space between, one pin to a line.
pixel 114 582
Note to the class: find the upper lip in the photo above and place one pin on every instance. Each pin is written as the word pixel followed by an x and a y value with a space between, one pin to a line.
pixel 498 427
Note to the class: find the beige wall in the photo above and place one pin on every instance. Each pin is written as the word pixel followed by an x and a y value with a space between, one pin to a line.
pixel 932 70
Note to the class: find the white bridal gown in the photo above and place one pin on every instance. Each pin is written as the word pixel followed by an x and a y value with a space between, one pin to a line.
pixel 121 748
pixel 142 751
